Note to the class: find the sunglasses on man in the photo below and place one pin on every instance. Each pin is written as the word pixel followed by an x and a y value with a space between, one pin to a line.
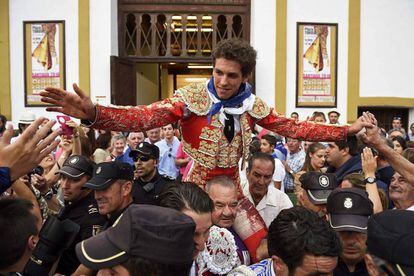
pixel 143 158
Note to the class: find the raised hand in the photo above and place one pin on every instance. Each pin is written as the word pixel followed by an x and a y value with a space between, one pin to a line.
pixel 373 138
pixel 77 104
pixel 368 162
pixel 29 149
pixel 367 120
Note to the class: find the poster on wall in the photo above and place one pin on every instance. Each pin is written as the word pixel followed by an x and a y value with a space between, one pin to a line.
pixel 44 58
pixel 316 69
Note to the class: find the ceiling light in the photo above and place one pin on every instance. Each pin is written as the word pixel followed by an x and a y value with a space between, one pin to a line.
pixel 199 66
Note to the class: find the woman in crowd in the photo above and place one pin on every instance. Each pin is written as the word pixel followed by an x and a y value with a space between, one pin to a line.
pixel 399 144
pixel 318 117
pixel 183 161
pixel 118 143
pixel 315 158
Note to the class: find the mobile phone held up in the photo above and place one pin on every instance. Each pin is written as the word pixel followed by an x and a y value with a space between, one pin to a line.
pixel 66 130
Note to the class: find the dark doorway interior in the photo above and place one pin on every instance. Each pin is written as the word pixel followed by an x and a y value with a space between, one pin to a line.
pixel 385 115
pixel 123 81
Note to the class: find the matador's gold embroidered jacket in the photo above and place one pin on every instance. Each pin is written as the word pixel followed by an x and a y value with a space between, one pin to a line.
pixel 205 142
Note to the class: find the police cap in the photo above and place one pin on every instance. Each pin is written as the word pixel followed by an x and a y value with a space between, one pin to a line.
pixel 158 234
pixel 77 166
pixel 318 185
pixel 147 149
pixel 349 210
pixel 107 173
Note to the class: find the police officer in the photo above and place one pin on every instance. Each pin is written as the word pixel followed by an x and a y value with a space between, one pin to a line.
pixel 112 185
pixel 314 191
pixel 149 183
pixel 348 213
pixel 80 207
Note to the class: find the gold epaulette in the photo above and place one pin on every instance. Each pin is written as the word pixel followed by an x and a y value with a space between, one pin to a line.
pixel 260 109
pixel 195 96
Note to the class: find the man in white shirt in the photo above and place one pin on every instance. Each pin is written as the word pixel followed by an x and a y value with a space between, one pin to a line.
pixel 168 151
pixel 267 145
pixel 268 200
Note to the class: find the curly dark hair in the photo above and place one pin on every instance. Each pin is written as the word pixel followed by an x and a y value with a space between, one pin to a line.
pixel 237 50
pixel 298 231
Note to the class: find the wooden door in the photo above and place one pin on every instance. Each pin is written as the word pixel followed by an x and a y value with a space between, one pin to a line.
pixel 123 81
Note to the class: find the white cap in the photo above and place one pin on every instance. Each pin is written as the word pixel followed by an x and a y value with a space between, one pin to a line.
pixel 27 118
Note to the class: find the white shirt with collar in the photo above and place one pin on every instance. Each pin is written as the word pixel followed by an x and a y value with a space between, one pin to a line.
pixel 271 204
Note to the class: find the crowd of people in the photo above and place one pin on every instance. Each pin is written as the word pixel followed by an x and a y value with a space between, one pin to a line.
pixel 209 182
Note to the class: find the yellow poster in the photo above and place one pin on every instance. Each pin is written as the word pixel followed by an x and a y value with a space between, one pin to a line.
pixel 316 65
pixel 44 58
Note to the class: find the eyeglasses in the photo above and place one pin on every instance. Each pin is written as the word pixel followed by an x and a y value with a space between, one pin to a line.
pixel 169 154
pixel 143 158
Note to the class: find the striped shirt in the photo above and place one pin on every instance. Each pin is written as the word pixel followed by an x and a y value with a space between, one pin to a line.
pixel 263 268
pixel 295 162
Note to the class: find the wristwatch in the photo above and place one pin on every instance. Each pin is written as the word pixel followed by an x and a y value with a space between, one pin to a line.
pixel 370 180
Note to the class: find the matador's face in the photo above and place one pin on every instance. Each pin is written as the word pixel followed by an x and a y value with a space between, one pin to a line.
pixel 227 78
